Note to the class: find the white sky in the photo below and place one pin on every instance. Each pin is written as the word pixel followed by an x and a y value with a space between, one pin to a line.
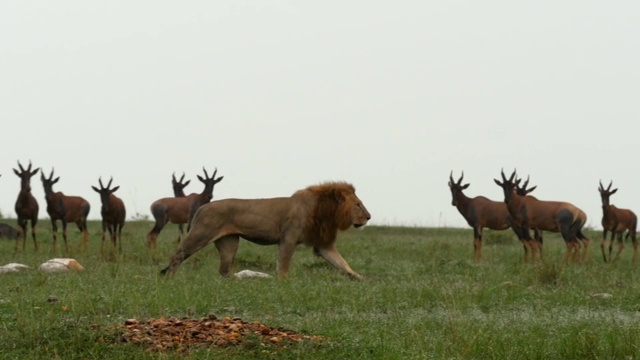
pixel 278 95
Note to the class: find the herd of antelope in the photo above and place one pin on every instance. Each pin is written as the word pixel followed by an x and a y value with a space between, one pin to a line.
pixel 520 212
pixel 65 208
pixel 524 213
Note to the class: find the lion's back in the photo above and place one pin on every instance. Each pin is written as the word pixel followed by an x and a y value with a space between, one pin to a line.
pixel 260 220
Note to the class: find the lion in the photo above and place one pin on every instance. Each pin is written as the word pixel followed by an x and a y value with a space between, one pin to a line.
pixel 311 216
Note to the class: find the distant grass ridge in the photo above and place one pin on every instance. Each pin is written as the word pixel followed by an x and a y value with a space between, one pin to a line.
pixel 423 298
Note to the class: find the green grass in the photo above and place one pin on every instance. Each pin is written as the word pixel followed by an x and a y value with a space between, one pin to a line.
pixel 423 298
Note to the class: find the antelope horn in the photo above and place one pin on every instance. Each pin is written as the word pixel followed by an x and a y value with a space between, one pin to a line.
pixel 524 186
pixel 182 178
pixel 100 181
pixel 110 181
pixel 504 178
pixel 51 175
pixel 609 187
pixel 513 174
pixel 206 175
pixel 601 187
pixel 20 166
pixel 451 177
pixel 173 176
pixel 215 171
pixel 460 180
pixel 29 167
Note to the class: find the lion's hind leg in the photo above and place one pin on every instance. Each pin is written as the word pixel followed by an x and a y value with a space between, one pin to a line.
pixel 227 248
pixel 333 257
pixel 195 240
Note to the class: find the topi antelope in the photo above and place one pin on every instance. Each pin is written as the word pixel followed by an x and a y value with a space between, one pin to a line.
pixel 178 191
pixel 113 214
pixel 180 210
pixel 531 213
pixel 480 212
pixel 26 205
pixel 536 246
pixel 66 209
pixel 616 221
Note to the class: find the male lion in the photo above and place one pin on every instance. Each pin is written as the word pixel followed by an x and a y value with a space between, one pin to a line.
pixel 311 216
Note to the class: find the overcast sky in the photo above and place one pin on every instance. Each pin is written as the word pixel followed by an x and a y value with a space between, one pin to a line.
pixel 279 95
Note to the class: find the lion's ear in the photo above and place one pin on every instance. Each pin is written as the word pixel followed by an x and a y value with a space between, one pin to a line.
pixel 339 196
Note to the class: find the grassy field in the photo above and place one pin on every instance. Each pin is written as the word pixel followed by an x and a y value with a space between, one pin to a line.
pixel 423 298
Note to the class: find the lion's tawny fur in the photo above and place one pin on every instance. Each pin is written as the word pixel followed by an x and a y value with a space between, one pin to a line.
pixel 311 216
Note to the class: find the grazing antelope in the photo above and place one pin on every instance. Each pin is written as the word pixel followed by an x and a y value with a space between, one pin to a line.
pixel 113 214
pixel 531 213
pixel 616 221
pixel 26 205
pixel 480 212
pixel 66 209
pixel 180 210
pixel 178 191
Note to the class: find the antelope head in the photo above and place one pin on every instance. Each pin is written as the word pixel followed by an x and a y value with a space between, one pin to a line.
pixel 105 193
pixel 508 186
pixel 178 185
pixel 25 175
pixel 48 183
pixel 522 190
pixel 209 183
pixel 606 193
pixel 456 188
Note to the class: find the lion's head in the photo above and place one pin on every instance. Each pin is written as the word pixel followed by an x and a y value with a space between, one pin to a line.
pixel 337 208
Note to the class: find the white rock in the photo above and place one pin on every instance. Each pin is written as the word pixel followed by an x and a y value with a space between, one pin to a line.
pixel 602 296
pixel 12 267
pixel 61 265
pixel 250 273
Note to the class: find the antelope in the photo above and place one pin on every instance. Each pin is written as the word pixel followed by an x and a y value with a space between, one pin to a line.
pixel 180 210
pixel 65 208
pixel 26 205
pixel 524 191
pixel 616 221
pixel 113 214
pixel 480 212
pixel 531 213
pixel 178 191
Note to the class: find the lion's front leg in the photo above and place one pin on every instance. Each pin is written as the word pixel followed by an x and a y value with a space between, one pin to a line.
pixel 227 248
pixel 333 257
pixel 284 257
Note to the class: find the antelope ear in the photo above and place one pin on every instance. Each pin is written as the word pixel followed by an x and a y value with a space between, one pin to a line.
pixel 613 191
pixel 465 186
pixel 115 188
pixel 56 180
pixel 16 171
pixel 186 183
pixel 218 179
pixel 200 178
pixel 533 188
pixel 498 182
pixel 95 188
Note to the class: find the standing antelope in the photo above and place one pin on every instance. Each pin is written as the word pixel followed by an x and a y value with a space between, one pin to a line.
pixel 180 210
pixel 616 221
pixel 66 209
pixel 26 205
pixel 531 213
pixel 113 214
pixel 480 212
pixel 178 191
